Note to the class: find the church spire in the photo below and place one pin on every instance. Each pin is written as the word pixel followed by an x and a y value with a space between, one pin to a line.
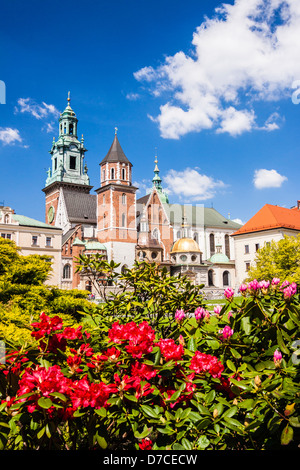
pixel 156 179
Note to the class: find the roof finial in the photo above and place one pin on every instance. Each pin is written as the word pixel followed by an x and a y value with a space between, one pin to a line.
pixel 69 99
pixel 116 130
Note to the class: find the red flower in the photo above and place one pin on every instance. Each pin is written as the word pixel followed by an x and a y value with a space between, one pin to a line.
pixel 46 326
pixel 73 362
pixel 144 371
pixel 202 362
pixel 146 444
pixel 170 350
pixel 72 333
pixel 140 337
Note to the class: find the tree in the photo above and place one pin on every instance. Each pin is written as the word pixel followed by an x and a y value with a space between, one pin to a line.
pixel 278 259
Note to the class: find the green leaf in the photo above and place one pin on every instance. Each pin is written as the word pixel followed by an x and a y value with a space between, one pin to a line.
pixel 287 435
pixel 147 410
pixel 45 403
pixel 187 445
pixel 41 432
pixel 58 395
pixel 203 442
pixel 101 412
pixel 192 344
pixel 295 421
pixel 281 343
pixel 101 441
pixel 230 365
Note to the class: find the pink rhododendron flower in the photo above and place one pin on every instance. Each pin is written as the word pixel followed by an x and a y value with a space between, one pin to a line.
pixel 226 332
pixel 290 290
pixel 275 281
pixel 243 288
pixel 229 293
pixel 277 358
pixel 201 313
pixel 179 315
pixel 217 309
pixel 253 286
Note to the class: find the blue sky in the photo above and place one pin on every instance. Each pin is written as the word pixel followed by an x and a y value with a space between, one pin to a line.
pixel 213 87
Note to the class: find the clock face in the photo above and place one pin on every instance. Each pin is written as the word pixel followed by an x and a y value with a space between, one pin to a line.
pixel 73 147
pixel 51 214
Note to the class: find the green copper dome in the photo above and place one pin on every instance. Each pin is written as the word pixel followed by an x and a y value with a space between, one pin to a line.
pixel 219 258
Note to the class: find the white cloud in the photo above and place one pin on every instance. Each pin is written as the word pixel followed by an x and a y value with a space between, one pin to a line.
pixel 268 179
pixel 132 96
pixel 9 136
pixel 246 53
pixel 236 122
pixel 191 185
pixel 39 111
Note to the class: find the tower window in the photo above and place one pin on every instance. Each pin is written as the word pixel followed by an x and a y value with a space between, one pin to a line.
pixel 55 163
pixel 72 163
pixel 65 129
pixel 123 220
pixel 71 129
pixel 112 173
pixel 67 271
pixel 103 175
pixel 212 244
pixel 123 198
pixel 123 173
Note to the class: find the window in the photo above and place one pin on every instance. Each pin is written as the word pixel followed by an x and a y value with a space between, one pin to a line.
pixel 104 220
pixel 67 271
pixel 8 236
pixel 123 174
pixel 48 241
pixel 246 249
pixel 212 244
pixel 227 247
pixel 55 163
pixel 225 278
pixel 71 129
pixel 72 163
pixel 104 199
pixel 210 277
pixel 247 265
pixel 3 235
pixel 155 234
pixel 103 175
pixel 123 220
pixel 112 174
pixel 183 257
pixel 123 199
pixel 256 246
pixel 34 240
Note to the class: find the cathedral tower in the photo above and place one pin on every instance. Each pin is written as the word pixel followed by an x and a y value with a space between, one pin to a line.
pixel 116 206
pixel 67 175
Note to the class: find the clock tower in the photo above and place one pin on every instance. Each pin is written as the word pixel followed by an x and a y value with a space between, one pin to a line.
pixel 67 175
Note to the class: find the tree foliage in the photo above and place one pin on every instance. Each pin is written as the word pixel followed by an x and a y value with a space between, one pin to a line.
pixel 278 259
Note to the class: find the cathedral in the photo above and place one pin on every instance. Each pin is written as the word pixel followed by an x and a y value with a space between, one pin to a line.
pixel 188 239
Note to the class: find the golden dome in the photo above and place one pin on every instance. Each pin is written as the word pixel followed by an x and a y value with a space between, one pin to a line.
pixel 185 245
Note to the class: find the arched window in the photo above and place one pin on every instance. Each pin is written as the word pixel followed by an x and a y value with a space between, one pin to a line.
pixel 225 278
pixel 6 219
pixel 67 271
pixel 123 174
pixel 104 220
pixel 123 220
pixel 212 244
pixel 155 234
pixel 104 199
pixel 123 198
pixel 210 277
pixel 227 246
pixel 196 237
pixel 112 174
pixel 103 175
pixel 71 129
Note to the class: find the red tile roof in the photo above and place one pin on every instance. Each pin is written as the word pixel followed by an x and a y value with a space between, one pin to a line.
pixel 270 217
